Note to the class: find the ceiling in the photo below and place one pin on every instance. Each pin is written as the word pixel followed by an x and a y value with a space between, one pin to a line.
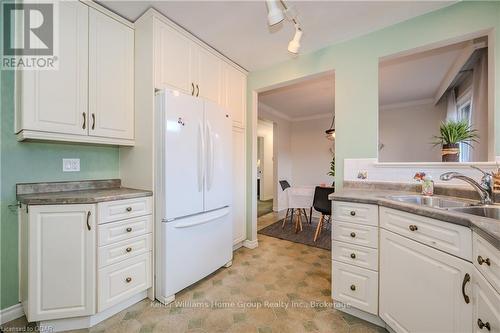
pixel 239 29
pixel 313 97
pixel 416 77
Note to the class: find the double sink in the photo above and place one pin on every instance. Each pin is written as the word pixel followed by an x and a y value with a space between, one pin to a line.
pixel 462 206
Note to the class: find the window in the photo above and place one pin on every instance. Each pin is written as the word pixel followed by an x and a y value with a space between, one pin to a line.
pixel 464 112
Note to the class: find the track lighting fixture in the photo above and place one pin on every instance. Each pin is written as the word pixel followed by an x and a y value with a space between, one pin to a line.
pixel 275 15
pixel 294 45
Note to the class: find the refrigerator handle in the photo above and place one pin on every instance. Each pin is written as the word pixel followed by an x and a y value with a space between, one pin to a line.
pixel 210 157
pixel 201 157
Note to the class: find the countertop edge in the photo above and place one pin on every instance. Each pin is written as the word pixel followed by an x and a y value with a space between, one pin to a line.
pixel 81 200
pixel 446 216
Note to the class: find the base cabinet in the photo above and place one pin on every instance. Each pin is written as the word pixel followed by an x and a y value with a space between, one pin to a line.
pixel 486 304
pixel 58 258
pixel 423 289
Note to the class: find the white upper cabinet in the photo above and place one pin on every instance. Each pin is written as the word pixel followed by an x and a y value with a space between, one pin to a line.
pixel 208 69
pixel 61 243
pixel 111 78
pixel 235 83
pixel 172 59
pixel 56 100
pixel 90 97
pixel 185 64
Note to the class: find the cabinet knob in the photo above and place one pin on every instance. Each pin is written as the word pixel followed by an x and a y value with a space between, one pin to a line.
pixel 353 234
pixel 480 324
pixel 128 209
pixel 129 229
pixel 128 249
pixel 353 255
pixel 128 280
pixel 481 260
pixel 353 287
pixel 413 227
pixel 353 213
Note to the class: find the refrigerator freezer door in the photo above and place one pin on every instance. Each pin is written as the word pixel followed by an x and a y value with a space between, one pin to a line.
pixel 194 247
pixel 184 155
pixel 218 178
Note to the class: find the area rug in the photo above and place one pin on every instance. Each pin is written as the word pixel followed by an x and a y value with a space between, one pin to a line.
pixel 306 236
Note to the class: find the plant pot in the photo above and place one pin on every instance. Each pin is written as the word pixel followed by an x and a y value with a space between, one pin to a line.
pixel 450 152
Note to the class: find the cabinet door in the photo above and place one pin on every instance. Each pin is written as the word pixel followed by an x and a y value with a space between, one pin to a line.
pixel 208 75
pixel 56 100
pixel 486 306
pixel 235 84
pixel 111 75
pixel 239 191
pixel 173 59
pixel 62 264
pixel 423 289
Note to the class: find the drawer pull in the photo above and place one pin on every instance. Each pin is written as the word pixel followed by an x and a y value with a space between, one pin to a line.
pixel 413 227
pixel 128 249
pixel 128 280
pixel 464 282
pixel 353 255
pixel 481 324
pixel 88 218
pixel 353 213
pixel 481 260
pixel 353 287
pixel 353 234
pixel 128 209
pixel 129 229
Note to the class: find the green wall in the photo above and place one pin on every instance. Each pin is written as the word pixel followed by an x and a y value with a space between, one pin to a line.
pixel 35 162
pixel 355 63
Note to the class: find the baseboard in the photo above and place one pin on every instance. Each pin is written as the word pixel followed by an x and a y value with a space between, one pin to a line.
pixel 251 244
pixel 12 312
pixel 374 319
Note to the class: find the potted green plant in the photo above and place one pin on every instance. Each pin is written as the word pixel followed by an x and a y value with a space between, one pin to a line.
pixel 332 169
pixel 452 133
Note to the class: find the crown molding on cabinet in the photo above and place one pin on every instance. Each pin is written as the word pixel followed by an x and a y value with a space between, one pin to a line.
pixel 108 12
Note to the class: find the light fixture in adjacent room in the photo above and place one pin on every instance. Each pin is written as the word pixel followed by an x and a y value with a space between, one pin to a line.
pixel 330 133
pixel 274 14
pixel 294 45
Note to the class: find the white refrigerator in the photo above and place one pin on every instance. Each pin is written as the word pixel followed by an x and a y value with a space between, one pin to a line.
pixel 193 191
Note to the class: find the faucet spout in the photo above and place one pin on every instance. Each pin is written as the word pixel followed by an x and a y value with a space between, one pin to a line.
pixel 483 190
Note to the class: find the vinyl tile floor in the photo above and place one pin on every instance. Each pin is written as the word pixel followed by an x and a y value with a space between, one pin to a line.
pixel 278 287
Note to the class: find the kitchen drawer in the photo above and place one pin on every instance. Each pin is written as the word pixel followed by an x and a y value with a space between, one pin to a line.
pixel 123 209
pixel 118 231
pixel 116 252
pixel 486 258
pixel 355 212
pixel 120 281
pixel 444 236
pixel 354 286
pixel 357 234
pixel 360 256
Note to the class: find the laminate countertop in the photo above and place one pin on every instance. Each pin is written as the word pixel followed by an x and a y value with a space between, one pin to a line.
pixel 487 228
pixel 80 192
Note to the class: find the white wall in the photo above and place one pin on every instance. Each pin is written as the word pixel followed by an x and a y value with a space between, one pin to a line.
pixel 311 152
pixel 265 131
pixel 282 153
pixel 406 132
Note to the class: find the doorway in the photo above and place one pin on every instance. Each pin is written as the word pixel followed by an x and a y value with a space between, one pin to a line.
pixel 265 167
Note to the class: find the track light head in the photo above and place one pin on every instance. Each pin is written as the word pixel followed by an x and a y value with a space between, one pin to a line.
pixel 294 45
pixel 275 14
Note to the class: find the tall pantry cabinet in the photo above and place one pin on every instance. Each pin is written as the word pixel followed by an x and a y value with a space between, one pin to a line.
pixel 167 56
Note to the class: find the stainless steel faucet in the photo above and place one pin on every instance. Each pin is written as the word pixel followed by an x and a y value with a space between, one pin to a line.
pixel 484 189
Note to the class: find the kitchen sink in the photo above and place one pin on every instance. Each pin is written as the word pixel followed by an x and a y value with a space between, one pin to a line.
pixel 493 212
pixel 436 202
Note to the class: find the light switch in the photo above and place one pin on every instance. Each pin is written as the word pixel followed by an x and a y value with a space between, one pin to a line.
pixel 71 164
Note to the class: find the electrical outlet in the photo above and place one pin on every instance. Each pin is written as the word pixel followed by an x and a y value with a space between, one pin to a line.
pixel 71 164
